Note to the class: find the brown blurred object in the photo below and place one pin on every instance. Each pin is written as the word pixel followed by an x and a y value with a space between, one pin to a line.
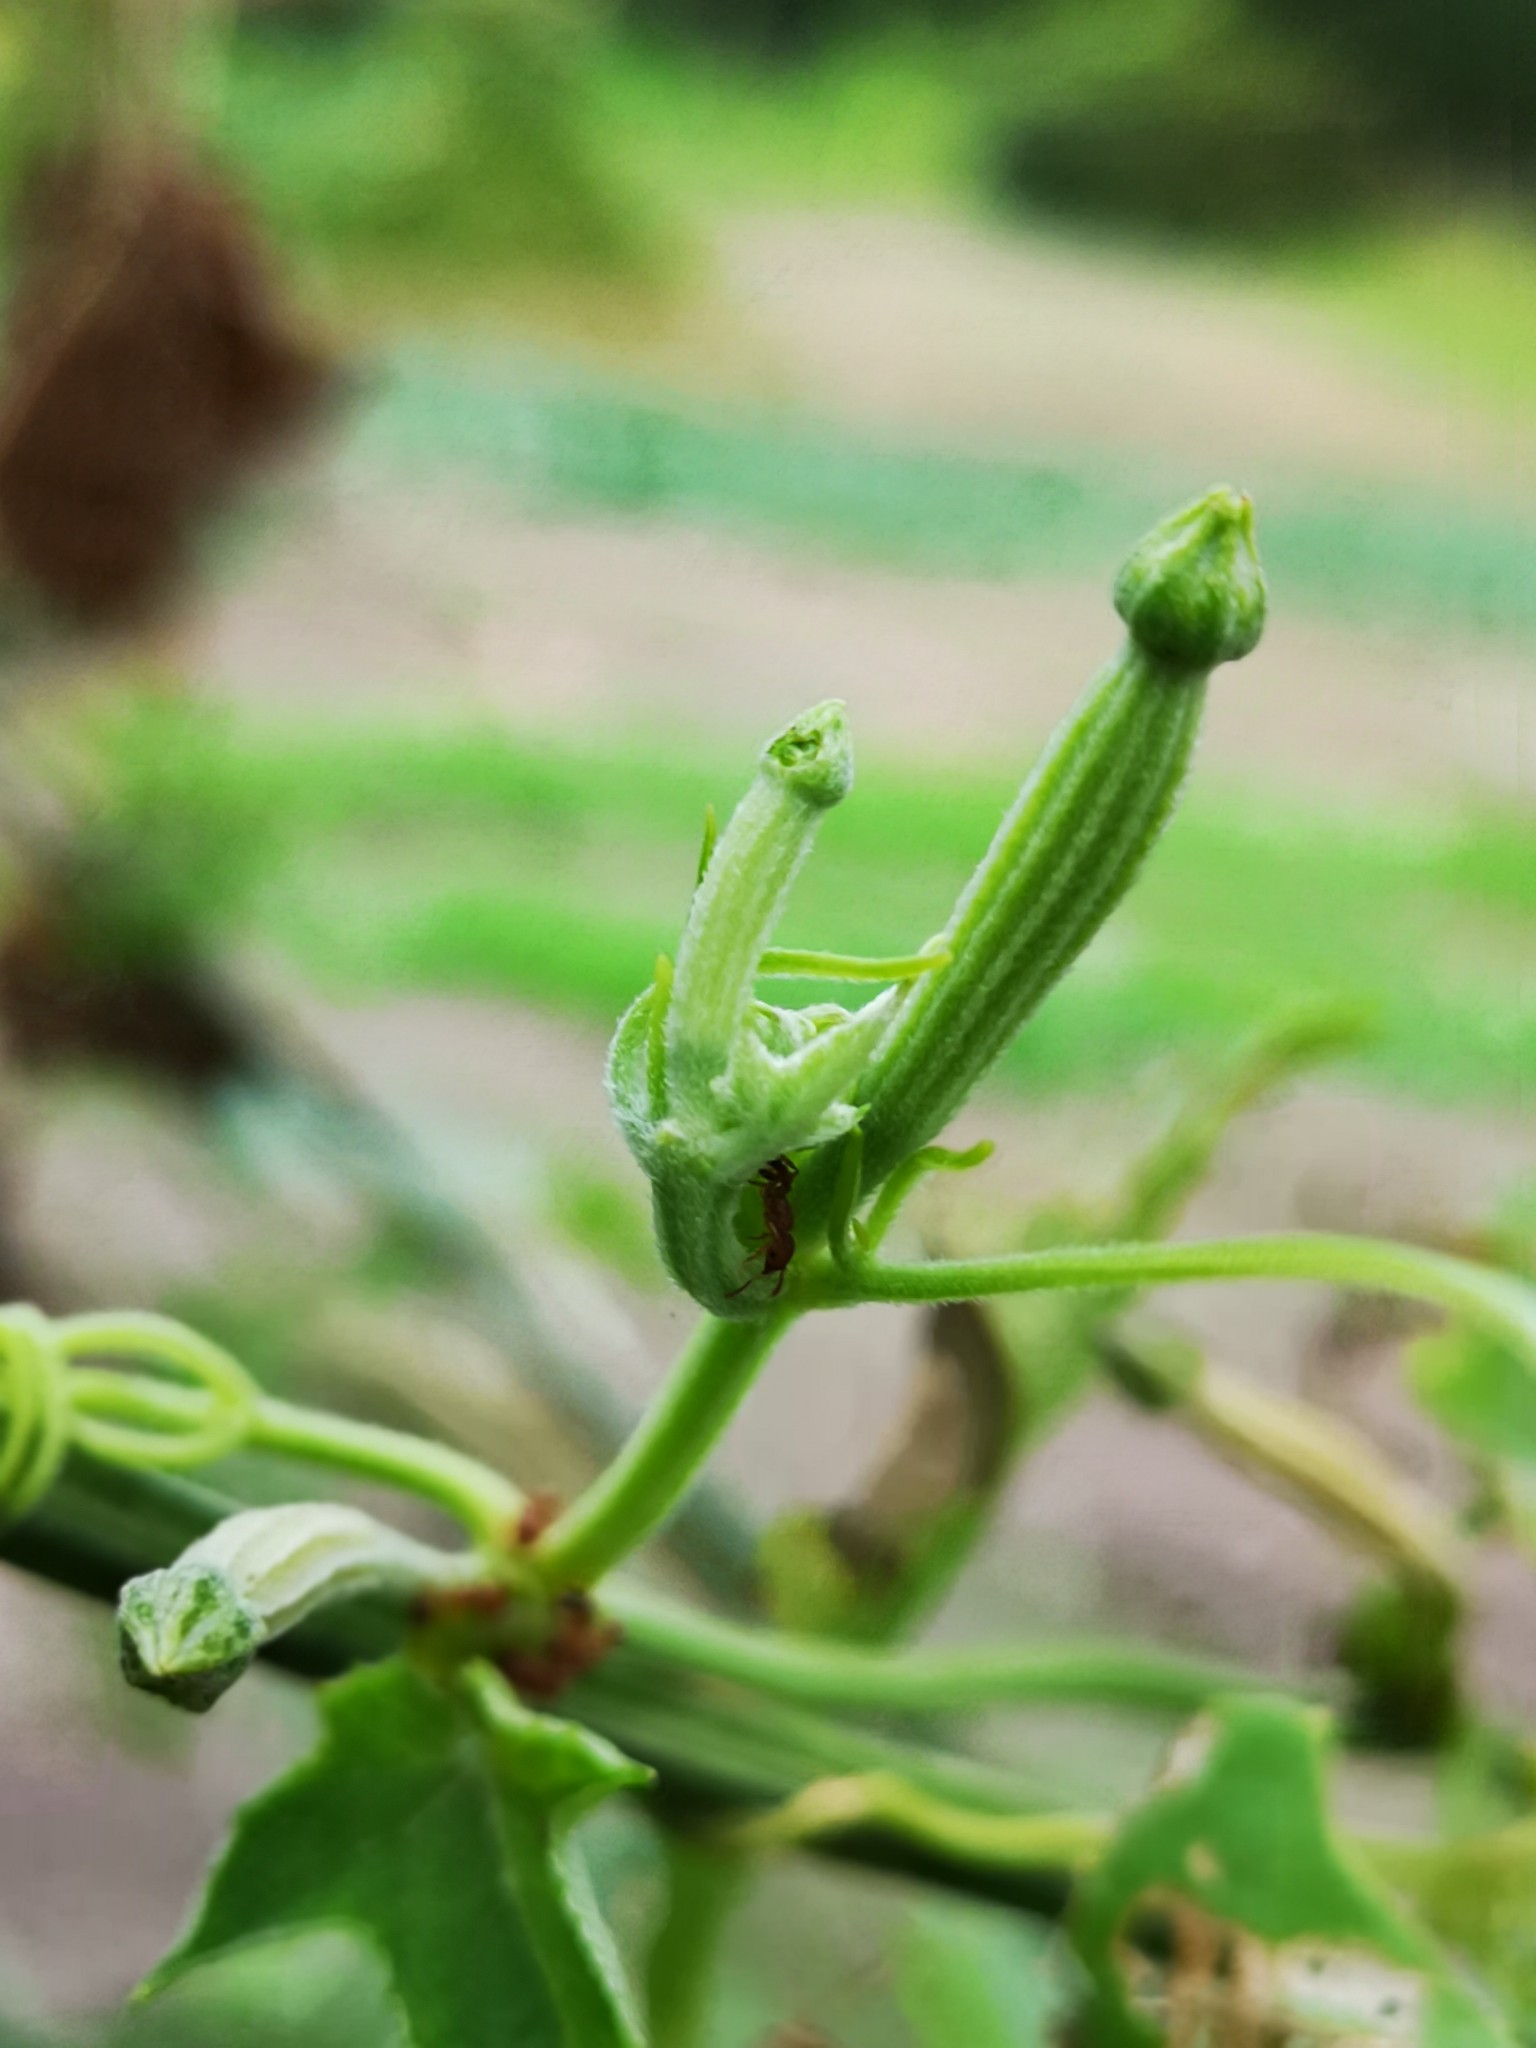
pixel 61 1003
pixel 151 365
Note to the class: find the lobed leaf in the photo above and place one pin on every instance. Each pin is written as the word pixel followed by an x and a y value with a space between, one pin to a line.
pixel 1228 1906
pixel 435 1846
pixel 548 1774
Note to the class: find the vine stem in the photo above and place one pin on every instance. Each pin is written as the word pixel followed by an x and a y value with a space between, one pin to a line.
pixel 487 1504
pixel 837 1676
pixel 636 1493
pixel 834 1806
pixel 1063 1842
pixel 1501 1306
pixel 705 1885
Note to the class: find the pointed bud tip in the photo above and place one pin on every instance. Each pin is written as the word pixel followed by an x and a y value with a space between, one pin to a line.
pixel 814 755
pixel 186 1634
pixel 1192 593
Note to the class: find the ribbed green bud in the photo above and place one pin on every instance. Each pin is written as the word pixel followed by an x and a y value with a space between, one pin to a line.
pixel 186 1633
pixel 189 1631
pixel 1193 593
pixel 708 1084
pixel 1076 836
pixel 736 908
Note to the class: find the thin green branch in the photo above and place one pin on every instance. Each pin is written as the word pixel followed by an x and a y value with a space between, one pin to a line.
pixel 1016 1842
pixel 931 1159
pixel 1503 1307
pixel 705 1884
pixel 1037 1847
pixel 783 963
pixel 635 1495
pixel 487 1504
pixel 844 1678
pixel 1335 1470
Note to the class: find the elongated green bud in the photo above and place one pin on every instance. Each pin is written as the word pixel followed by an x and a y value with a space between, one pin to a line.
pixel 1192 596
pixel 189 1631
pixel 802 773
pixel 711 1086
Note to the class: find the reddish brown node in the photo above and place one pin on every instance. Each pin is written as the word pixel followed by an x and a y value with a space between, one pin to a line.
pixel 441 1604
pixel 539 1512
pixel 580 1639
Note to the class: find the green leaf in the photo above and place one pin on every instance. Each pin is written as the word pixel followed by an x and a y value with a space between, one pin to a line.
pixel 1477 1390
pixel 1485 1398
pixel 1479 1896
pixel 325 1990
pixel 977 1975
pixel 549 1773
pixel 1227 1905
pixel 397 1830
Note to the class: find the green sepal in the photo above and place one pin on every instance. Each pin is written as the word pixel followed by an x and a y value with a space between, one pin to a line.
pixel 1227 1902
pixel 397 1831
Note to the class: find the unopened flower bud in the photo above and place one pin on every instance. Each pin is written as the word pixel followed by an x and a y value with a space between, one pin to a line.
pixel 1077 834
pixel 709 1085
pixel 189 1631
pixel 1193 593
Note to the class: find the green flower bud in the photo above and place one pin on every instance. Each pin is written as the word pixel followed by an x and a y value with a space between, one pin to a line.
pixel 186 1634
pixel 189 1631
pixel 1077 834
pixel 1193 593
pixel 709 1085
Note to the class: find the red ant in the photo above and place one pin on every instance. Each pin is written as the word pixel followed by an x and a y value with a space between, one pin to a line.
pixel 777 1243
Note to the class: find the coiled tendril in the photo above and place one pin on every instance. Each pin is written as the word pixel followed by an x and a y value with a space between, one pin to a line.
pixel 182 1401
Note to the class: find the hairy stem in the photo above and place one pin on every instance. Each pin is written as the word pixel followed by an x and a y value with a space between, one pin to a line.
pixel 1503 1307
pixel 636 1494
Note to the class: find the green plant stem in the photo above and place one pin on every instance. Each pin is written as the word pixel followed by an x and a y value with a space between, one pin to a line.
pixel 834 1675
pixel 637 1493
pixel 482 1500
pixel 783 963
pixel 1012 1841
pixel 485 1502
pixel 716 1755
pixel 1337 1472
pixel 704 1886
pixel 1063 1843
pixel 1504 1308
